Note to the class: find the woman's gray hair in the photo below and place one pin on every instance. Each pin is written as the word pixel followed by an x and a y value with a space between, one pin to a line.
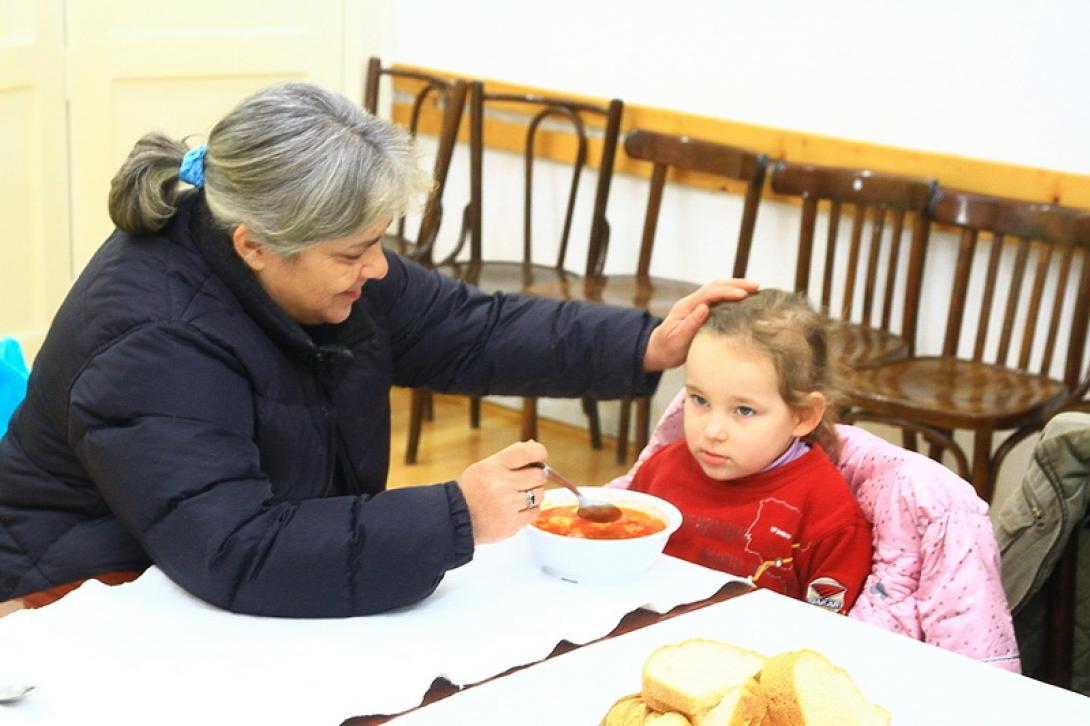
pixel 295 163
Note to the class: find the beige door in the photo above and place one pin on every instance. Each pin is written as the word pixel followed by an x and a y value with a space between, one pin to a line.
pixel 136 66
pixel 34 254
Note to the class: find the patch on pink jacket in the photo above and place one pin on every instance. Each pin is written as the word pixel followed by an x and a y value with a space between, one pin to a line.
pixel 936 569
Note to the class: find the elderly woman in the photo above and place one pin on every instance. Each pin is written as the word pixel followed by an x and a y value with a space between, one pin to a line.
pixel 213 395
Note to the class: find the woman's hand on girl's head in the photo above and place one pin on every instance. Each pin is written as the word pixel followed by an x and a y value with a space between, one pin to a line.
pixel 497 490
pixel 669 342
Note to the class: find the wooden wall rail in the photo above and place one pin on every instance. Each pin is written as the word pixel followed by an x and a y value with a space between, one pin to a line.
pixel 988 177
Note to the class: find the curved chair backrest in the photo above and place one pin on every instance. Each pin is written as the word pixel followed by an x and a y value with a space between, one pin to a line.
pixel 682 154
pixel 432 96
pixel 866 269
pixel 528 124
pixel 1023 256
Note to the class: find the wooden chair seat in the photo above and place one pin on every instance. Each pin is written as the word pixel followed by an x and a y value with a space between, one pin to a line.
pixel 656 295
pixel 513 276
pixel 856 345
pixel 949 392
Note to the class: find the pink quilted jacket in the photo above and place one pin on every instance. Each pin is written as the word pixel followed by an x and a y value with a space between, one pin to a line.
pixel 936 563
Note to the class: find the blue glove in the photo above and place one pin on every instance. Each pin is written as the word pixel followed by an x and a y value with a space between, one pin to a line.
pixel 13 376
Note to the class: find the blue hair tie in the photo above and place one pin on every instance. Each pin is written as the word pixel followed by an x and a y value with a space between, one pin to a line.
pixel 192 169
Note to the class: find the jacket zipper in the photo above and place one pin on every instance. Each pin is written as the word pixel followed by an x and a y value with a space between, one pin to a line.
pixel 321 358
pixel 331 448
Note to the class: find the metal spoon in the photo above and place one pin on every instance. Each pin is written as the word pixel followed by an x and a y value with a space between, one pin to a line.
pixel 602 512
pixel 10 694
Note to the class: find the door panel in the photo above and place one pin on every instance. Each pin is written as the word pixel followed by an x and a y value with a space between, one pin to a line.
pixel 34 253
pixel 136 67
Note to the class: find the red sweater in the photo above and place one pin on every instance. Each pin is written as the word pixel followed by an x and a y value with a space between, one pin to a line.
pixel 795 529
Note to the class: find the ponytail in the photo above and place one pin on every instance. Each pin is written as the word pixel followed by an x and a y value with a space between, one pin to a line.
pixel 295 163
pixel 144 191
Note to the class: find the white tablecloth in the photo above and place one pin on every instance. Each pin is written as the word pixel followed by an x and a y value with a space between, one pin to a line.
pixel 149 653
pixel 917 683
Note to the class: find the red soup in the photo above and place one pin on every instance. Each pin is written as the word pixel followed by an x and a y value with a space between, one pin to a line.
pixel 564 521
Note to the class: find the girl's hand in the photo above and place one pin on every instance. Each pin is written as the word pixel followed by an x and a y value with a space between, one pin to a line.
pixel 669 342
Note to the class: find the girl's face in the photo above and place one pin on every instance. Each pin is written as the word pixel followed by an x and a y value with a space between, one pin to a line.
pixel 321 283
pixel 736 422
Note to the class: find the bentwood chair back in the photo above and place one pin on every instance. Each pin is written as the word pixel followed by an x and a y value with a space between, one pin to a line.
pixel 862 241
pixel 436 107
pixel 1015 339
pixel 738 170
pixel 549 133
pixel 556 140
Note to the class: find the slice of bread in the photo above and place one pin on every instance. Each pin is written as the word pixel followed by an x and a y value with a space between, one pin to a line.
pixel 627 711
pixel 632 711
pixel 709 683
pixel 669 718
pixel 744 705
pixel 804 687
pixel 693 677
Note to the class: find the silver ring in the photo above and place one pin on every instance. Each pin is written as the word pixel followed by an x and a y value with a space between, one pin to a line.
pixel 531 499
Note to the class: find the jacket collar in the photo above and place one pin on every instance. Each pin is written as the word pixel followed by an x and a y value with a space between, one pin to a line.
pixel 214 244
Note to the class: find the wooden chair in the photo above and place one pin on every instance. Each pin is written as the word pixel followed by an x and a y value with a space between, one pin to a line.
pixel 533 124
pixel 433 96
pixel 657 295
pixel 1021 288
pixel 867 275
pixel 496 271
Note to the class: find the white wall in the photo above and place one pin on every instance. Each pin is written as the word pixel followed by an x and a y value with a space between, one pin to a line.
pixel 994 80
pixel 986 79
pixel 990 79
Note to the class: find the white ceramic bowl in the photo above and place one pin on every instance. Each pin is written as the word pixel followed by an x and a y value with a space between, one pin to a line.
pixel 602 560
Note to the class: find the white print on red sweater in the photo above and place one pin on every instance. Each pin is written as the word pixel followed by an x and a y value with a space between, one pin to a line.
pixel 769 537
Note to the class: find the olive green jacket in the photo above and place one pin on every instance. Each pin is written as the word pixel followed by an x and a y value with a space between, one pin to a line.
pixel 1033 527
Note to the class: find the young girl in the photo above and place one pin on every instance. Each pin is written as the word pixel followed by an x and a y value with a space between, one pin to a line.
pixel 754 479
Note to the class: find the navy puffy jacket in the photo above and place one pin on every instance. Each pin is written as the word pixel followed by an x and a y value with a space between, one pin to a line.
pixel 176 416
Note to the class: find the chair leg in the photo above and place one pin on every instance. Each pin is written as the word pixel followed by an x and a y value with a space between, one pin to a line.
pixel 934 450
pixel 417 407
pixel 429 405
pixel 909 440
pixel 643 423
pixel 475 412
pixel 594 423
pixel 622 430
pixel 982 473
pixel 529 419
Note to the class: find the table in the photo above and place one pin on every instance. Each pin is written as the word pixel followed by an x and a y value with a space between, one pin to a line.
pixel 917 683
pixel 163 645
pixel 635 620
